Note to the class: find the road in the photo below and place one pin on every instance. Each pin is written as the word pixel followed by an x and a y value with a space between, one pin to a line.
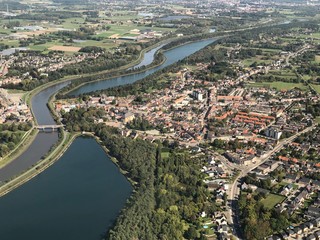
pixel 235 187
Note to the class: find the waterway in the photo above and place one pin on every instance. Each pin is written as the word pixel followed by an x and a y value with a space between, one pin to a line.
pixel 172 56
pixel 77 198
pixel 43 141
pixel 148 57
pixel 80 196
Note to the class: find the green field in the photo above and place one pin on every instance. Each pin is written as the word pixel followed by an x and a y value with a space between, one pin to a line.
pixel 279 85
pixel 284 73
pixel 316 87
pixel 71 23
pixel 165 155
pixel 271 200
pixel 10 43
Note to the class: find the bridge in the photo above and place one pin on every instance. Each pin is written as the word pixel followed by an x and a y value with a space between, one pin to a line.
pixel 48 127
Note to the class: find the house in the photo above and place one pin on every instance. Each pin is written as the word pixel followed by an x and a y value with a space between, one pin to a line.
pixel 316 184
pixel 291 178
pixel 317 222
pixel 297 230
pixel 284 235
pixel 311 237
pixel 224 236
pixel 310 225
pixel 314 212
pixel 286 190
pixel 304 228
pixel 128 117
pixel 304 181
pixel 317 234
pixel 301 197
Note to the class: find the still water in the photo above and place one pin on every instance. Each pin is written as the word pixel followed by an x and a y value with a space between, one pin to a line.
pixel 78 198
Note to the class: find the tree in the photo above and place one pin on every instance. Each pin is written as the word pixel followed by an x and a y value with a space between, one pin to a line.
pixel 191 233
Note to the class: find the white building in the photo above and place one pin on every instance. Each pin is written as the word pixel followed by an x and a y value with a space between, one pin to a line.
pixel 273 133
pixel 197 95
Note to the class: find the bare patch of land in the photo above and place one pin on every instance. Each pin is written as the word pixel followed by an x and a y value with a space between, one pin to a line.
pixel 65 48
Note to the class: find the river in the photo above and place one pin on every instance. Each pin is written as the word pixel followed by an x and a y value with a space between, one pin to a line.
pixel 80 196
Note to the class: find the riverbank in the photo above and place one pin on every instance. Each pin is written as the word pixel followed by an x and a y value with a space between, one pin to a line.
pixel 25 142
pixel 42 165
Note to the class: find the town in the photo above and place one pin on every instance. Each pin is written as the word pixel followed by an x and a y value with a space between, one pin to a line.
pixel 223 144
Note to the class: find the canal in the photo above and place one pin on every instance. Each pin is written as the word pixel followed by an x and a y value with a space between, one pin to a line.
pixel 80 196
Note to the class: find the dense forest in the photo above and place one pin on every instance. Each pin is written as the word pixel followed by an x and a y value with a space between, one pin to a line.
pixel 169 193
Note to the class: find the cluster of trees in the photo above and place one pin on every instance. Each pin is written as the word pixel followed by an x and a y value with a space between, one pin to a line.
pixel 140 124
pixel 12 24
pixel 259 222
pixel 92 49
pixel 233 145
pixel 248 53
pixel 10 136
pixel 3 46
pixel 168 193
pixel 313 109
pixel 81 119
pixel 262 183
pixel 222 68
pixel 49 15
pixel 81 33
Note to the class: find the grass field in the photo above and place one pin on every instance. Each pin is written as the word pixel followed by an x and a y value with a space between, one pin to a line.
pixel 271 200
pixel 164 155
pixel 71 23
pixel 10 43
pixel 316 87
pixel 287 74
pixel 279 85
